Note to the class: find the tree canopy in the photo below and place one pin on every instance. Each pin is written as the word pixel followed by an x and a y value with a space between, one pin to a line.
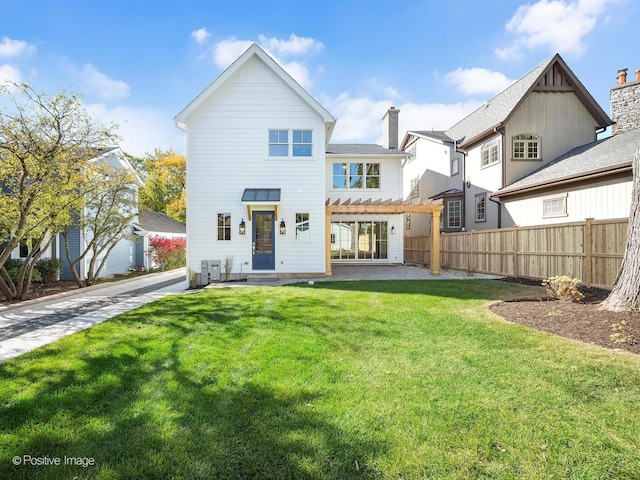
pixel 164 174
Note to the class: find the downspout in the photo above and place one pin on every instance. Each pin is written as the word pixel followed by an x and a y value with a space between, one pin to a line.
pixel 463 175
pixel 503 180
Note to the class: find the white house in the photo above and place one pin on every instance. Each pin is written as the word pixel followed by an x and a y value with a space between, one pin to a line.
pixel 268 195
pixel 149 225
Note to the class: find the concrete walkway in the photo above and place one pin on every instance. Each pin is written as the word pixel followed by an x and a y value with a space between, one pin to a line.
pixel 34 323
pixel 31 324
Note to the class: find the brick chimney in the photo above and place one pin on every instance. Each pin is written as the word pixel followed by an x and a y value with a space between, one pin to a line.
pixel 625 103
pixel 390 128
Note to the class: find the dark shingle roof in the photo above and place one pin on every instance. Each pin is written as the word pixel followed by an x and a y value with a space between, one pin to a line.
pixel 361 149
pixel 499 108
pixel 611 153
pixel 159 222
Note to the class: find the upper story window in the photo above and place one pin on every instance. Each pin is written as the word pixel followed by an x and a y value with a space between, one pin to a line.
pixel 412 152
pixel 290 143
pixel 455 166
pixel 356 175
pixel 526 147
pixel 489 153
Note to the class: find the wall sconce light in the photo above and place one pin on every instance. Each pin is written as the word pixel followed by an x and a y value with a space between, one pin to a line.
pixel 468 183
pixel 283 228
pixel 243 227
pixel 393 230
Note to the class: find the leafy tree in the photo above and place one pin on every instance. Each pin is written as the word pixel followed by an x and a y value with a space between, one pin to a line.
pixel 165 183
pixel 105 219
pixel 625 293
pixel 45 143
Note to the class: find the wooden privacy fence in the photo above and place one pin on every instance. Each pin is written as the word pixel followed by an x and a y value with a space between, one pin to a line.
pixel 591 251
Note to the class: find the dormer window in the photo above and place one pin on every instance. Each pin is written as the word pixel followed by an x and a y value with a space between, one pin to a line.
pixel 489 153
pixel 526 146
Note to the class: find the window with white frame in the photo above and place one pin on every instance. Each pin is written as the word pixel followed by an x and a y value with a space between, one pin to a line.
pixel 224 226
pixel 481 207
pixel 454 213
pixel 526 146
pixel 302 227
pixel 455 166
pixel 415 187
pixel 356 175
pixel 554 206
pixel 489 153
pixel 412 152
pixel 290 143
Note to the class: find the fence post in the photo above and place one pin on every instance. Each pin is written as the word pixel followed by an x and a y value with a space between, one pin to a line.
pixel 471 263
pixel 516 249
pixel 588 251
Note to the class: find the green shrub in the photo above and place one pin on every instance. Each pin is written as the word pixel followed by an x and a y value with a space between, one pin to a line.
pixel 563 287
pixel 49 268
pixel 13 267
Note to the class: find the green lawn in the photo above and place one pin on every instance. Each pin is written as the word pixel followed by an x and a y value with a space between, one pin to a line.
pixel 413 379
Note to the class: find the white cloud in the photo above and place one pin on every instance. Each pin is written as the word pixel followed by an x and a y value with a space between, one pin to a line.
pixel 478 81
pixel 295 45
pixel 9 74
pixel 14 48
pixel 142 129
pixel 106 88
pixel 560 25
pixel 360 118
pixel 227 51
pixel 200 35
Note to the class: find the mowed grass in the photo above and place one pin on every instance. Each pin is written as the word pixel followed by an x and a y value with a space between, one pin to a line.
pixel 411 379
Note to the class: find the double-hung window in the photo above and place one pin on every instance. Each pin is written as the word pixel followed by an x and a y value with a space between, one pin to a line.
pixel 415 187
pixel 526 147
pixel 454 214
pixel 489 153
pixel 290 143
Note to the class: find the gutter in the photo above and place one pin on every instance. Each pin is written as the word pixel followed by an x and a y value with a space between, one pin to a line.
pixel 601 172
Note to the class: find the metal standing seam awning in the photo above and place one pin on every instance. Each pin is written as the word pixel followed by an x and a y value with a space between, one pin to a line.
pixel 261 198
pixel 389 206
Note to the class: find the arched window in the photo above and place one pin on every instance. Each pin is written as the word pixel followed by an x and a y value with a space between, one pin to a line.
pixel 489 153
pixel 526 146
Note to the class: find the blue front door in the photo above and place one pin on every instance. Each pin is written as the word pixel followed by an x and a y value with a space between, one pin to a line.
pixel 263 241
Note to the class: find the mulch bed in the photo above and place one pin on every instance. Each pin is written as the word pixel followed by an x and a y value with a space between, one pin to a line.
pixel 39 290
pixel 579 321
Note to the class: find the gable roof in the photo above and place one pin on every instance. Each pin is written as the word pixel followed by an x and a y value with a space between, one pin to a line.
pixel 438 135
pixel 604 157
pixel 159 222
pixel 254 50
pixel 500 108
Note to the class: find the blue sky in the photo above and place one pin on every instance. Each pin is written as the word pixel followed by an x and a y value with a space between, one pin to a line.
pixel 140 63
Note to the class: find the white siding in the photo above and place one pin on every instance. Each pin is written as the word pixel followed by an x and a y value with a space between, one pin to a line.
pixel 228 151
pixel 482 180
pixel 602 200
pixel 390 177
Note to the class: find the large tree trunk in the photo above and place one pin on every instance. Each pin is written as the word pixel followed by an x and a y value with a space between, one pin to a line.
pixel 625 294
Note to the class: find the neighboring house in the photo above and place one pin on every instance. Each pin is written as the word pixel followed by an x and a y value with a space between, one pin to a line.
pixel 122 257
pixel 266 192
pixel 150 225
pixel 590 181
pixel 433 169
pixel 545 114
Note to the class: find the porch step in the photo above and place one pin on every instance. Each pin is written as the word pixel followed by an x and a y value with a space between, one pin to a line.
pixel 262 277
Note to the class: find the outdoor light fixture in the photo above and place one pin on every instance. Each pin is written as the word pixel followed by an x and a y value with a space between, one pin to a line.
pixel 393 230
pixel 243 227
pixel 283 228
